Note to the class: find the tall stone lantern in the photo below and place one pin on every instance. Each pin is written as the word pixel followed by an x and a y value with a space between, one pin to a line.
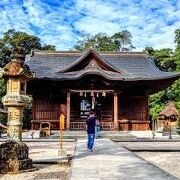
pixel 14 154
pixel 17 74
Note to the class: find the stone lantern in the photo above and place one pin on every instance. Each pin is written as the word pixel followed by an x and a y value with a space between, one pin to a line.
pixel 14 154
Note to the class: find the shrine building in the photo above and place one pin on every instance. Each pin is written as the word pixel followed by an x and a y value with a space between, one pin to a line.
pixel 116 85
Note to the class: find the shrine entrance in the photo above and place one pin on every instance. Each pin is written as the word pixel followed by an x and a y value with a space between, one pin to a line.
pixel 82 102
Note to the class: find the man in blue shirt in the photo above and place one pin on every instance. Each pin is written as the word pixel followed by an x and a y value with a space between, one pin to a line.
pixel 90 128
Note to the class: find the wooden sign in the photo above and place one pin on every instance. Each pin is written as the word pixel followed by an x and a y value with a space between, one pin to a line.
pixel 61 123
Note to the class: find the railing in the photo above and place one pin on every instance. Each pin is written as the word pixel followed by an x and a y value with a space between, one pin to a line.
pixel 107 125
pixel 77 125
pixel 82 125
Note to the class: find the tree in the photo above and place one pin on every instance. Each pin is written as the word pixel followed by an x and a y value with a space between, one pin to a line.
pixel 121 41
pixel 2 88
pixel 177 39
pixel 13 38
pixel 167 60
pixel 163 58
pixel 177 50
pixel 48 48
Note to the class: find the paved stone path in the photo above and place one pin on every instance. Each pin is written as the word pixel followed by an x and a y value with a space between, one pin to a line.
pixel 110 161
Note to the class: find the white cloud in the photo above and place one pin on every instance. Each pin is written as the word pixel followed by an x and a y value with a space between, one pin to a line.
pixel 12 16
pixel 151 24
pixel 95 25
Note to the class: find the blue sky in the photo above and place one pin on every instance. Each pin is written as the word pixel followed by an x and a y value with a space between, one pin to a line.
pixel 59 22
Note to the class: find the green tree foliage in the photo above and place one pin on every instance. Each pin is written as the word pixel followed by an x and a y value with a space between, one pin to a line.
pixel 177 51
pixel 167 60
pixel 158 101
pixel 48 48
pixel 163 58
pixel 2 93
pixel 27 115
pixel 13 38
pixel 3 119
pixel 2 88
pixel 121 41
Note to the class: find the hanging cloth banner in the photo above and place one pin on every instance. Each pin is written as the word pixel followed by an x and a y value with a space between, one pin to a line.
pixel 93 102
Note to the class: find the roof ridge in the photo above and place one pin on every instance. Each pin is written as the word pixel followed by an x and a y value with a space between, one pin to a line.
pixel 36 51
pixel 46 53
pixel 51 51
pixel 120 52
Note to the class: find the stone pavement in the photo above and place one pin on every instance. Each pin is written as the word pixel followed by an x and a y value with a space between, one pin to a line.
pixel 110 161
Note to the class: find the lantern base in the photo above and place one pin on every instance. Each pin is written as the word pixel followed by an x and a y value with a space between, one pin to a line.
pixel 14 158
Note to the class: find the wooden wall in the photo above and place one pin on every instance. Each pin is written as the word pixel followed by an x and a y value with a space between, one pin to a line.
pixel 47 108
pixel 75 108
pixel 107 108
pixel 49 95
pixel 133 112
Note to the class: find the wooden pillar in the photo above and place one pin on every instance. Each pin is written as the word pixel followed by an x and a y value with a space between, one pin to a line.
pixel 116 111
pixel 68 110
pixel 147 113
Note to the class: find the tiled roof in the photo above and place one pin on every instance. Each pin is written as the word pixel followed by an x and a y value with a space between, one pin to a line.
pixel 135 65
pixel 170 110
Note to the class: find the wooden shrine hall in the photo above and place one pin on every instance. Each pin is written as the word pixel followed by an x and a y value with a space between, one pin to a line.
pixel 116 85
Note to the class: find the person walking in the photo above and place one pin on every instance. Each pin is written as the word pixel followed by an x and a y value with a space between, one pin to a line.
pixel 90 128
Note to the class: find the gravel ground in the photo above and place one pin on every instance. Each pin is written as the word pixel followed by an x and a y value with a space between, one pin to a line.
pixel 168 161
pixel 42 151
pixel 151 145
pixel 47 172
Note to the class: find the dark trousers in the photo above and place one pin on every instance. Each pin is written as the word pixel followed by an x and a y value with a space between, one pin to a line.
pixel 90 142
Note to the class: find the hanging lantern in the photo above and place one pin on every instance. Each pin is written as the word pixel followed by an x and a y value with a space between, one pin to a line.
pixel 81 93
pixel 103 93
pixel 97 94
pixel 92 93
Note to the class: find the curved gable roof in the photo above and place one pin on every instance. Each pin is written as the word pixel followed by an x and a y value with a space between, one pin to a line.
pixel 125 66
pixel 84 56
pixel 170 110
